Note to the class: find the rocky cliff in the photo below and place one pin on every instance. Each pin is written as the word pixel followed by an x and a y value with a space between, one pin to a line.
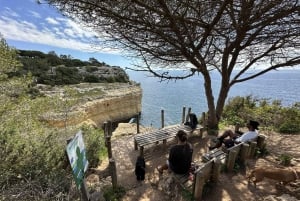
pixel 118 102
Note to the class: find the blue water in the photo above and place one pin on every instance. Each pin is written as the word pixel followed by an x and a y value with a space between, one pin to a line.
pixel 172 96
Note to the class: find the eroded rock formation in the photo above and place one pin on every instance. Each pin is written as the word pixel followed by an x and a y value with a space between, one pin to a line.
pixel 119 103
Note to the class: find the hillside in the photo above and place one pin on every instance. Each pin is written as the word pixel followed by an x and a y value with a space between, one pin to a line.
pixel 52 69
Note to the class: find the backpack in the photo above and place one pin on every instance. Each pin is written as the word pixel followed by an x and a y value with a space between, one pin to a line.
pixel 140 167
pixel 193 121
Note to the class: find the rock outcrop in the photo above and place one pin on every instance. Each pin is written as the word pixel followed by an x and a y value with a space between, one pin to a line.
pixel 119 102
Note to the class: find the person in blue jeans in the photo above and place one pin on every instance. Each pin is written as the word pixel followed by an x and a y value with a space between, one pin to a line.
pixel 180 156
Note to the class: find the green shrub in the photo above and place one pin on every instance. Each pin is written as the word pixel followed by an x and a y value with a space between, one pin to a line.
pixel 271 115
pixel 285 159
pixel 262 152
pixel 289 127
pixel 91 69
pixel 95 145
pixel 112 194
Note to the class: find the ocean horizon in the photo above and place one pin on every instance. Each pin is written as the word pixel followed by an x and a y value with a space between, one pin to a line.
pixel 172 96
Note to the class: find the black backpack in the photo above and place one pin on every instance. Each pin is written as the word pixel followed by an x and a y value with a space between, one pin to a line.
pixel 193 121
pixel 140 167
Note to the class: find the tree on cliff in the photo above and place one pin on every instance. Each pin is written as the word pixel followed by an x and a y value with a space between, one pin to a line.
pixel 199 35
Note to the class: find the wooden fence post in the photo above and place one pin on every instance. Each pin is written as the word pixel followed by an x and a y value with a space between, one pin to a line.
pixel 137 130
pixel 199 184
pixel 183 115
pixel 138 123
pixel 84 193
pixel 261 141
pixel 113 172
pixel 107 134
pixel 187 115
pixel 253 146
pixel 244 152
pixel 231 160
pixel 216 169
pixel 162 119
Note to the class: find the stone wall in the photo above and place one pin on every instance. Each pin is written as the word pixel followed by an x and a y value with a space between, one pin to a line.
pixel 118 104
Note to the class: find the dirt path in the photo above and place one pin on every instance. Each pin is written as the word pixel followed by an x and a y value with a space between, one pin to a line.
pixel 231 186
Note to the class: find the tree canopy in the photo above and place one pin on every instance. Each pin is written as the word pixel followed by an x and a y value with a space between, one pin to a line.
pixel 198 35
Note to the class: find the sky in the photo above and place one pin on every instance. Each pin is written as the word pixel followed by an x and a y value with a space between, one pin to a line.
pixel 27 25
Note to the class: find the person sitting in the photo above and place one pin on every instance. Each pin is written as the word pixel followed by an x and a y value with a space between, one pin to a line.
pixel 180 156
pixel 237 137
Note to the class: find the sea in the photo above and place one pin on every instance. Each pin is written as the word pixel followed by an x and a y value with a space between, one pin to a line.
pixel 171 96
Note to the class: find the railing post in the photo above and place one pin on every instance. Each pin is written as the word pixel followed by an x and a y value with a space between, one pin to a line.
pixel 137 130
pixel 84 193
pixel 199 184
pixel 162 119
pixel 244 152
pixel 261 141
pixel 183 115
pixel 138 123
pixel 107 134
pixel 113 172
pixel 188 113
pixel 231 160
pixel 216 169
pixel 253 146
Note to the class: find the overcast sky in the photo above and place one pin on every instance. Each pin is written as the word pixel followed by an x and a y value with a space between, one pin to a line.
pixel 25 24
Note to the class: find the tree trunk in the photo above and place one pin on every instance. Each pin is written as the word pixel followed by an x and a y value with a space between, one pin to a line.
pixel 215 111
pixel 212 120
pixel 224 89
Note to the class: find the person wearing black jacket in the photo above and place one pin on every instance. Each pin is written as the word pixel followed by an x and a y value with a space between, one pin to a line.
pixel 180 156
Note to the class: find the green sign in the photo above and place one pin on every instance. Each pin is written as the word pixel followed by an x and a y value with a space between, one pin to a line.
pixel 77 158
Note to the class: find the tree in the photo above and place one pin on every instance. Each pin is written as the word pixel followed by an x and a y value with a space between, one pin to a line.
pixel 94 61
pixel 201 35
pixel 8 62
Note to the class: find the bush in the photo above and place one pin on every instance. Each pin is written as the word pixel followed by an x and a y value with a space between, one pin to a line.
pixel 95 145
pixel 285 159
pixel 113 194
pixel 270 115
pixel 91 69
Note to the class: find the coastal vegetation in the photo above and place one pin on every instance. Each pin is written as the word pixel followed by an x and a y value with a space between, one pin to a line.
pixel 34 165
pixel 51 69
pixel 271 115
pixel 197 37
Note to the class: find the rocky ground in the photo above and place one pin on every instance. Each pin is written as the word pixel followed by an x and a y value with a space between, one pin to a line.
pixel 230 187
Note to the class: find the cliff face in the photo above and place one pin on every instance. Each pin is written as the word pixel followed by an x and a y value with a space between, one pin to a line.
pixel 118 103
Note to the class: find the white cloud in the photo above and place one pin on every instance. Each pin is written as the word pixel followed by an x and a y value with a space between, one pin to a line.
pixel 10 12
pixel 51 20
pixel 69 32
pixel 35 14
pixel 71 37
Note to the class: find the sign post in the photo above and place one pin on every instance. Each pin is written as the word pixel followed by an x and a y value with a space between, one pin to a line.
pixel 79 164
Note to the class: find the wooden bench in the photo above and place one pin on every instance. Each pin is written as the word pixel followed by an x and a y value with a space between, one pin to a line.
pixel 205 172
pixel 243 151
pixel 144 139
pixel 210 168
pixel 215 153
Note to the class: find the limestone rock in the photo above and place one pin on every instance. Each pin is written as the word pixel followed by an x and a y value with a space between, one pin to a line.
pixel 120 102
